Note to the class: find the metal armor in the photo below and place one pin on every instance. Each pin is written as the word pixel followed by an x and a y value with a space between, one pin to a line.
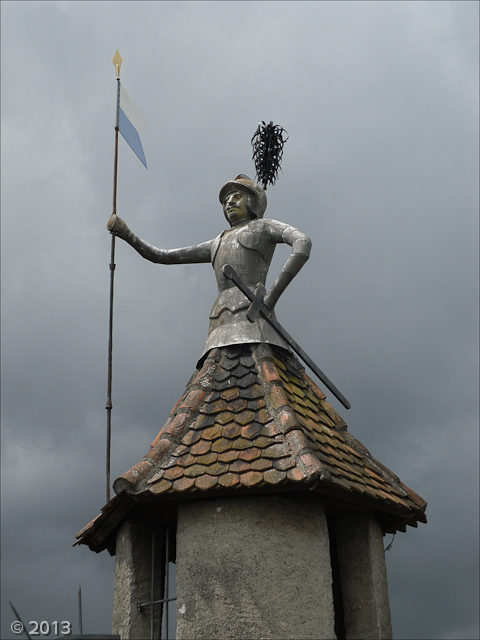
pixel 249 249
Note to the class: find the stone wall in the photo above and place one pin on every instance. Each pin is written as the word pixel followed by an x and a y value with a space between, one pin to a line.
pixel 253 568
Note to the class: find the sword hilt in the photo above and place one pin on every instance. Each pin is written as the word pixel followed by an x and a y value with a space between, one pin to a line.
pixel 254 309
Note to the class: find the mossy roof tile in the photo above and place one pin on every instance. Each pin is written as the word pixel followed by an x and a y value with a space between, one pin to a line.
pixel 263 424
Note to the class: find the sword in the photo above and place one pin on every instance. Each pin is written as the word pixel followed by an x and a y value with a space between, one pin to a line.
pixel 257 307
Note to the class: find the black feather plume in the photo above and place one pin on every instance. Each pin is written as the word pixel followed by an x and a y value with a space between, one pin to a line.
pixel 267 143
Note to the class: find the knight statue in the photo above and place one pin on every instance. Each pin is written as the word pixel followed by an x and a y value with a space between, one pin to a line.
pixel 248 246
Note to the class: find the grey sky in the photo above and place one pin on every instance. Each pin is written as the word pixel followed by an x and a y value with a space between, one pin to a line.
pixel 381 170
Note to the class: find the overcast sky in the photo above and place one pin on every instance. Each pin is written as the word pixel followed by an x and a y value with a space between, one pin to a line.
pixel 380 100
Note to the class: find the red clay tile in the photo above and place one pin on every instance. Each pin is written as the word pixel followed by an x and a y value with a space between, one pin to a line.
pixel 295 474
pixel 230 394
pixel 156 453
pixel 228 456
pixel 298 392
pixel 269 430
pixel 202 421
pixel 264 425
pixel 161 487
pixel 255 405
pixel 225 417
pixel 273 476
pixel 201 447
pixel 208 368
pixel 167 461
pixel 237 405
pixel 250 454
pixel 217 468
pixel 251 478
pixel 231 430
pixel 244 418
pixel 193 399
pixel 208 458
pixel 269 371
pixel 229 480
pixel 221 375
pixel 241 444
pixel 211 433
pixel 156 442
pixel 179 450
pixel 263 416
pixel 195 471
pixel 275 451
pixel 214 407
pixel 183 484
pixel 312 464
pixel 296 441
pixel 158 476
pixel 175 428
pixel 186 460
pixel 283 464
pixel 316 390
pixel 177 404
pixel 277 396
pixel 251 430
pixel 286 420
pixel 206 482
pixel 191 437
pixel 253 392
pixel 222 444
pixel 261 464
pixel 239 466
pixel 172 474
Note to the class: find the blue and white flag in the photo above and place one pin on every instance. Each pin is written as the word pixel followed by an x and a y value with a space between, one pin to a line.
pixel 130 122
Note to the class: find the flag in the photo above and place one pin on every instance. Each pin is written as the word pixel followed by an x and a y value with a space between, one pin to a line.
pixel 130 122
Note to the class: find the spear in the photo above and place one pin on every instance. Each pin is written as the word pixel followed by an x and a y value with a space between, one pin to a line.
pixel 117 61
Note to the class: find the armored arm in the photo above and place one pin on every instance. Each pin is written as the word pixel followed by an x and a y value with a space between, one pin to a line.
pixel 197 253
pixel 301 245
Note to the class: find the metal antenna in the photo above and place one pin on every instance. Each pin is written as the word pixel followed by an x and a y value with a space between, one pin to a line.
pixel 22 627
pixel 80 617
pixel 117 61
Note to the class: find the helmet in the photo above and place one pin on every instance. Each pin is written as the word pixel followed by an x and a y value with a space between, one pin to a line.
pixel 243 184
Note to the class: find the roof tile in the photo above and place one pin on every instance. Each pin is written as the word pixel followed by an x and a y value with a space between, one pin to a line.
pixel 251 478
pixel 252 419
pixel 274 476
pixel 230 394
pixel 205 482
pixel 229 480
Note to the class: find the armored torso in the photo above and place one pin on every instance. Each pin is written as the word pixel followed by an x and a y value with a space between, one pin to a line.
pixel 249 250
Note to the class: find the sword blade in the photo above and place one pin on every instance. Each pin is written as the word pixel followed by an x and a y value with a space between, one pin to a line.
pixel 229 272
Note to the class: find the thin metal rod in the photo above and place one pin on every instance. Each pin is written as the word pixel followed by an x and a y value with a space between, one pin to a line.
pixel 142 605
pixel 22 626
pixel 167 589
pixel 109 405
pixel 80 617
pixel 152 586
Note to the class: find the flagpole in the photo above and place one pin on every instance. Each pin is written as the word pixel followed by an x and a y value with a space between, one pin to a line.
pixel 117 61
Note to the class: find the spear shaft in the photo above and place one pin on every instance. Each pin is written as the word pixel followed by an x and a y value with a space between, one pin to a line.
pixel 109 405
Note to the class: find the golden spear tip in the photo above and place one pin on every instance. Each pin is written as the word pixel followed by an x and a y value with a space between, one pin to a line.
pixel 117 61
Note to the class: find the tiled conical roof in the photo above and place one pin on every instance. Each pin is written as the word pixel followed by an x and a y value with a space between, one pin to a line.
pixel 252 421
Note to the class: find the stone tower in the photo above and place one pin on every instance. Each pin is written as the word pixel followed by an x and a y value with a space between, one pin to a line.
pixel 273 513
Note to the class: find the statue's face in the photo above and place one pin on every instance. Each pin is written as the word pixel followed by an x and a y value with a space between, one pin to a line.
pixel 235 208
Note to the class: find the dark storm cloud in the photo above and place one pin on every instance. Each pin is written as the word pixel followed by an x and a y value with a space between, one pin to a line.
pixel 381 170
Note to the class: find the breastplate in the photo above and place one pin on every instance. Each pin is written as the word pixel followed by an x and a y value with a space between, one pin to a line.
pixel 242 249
